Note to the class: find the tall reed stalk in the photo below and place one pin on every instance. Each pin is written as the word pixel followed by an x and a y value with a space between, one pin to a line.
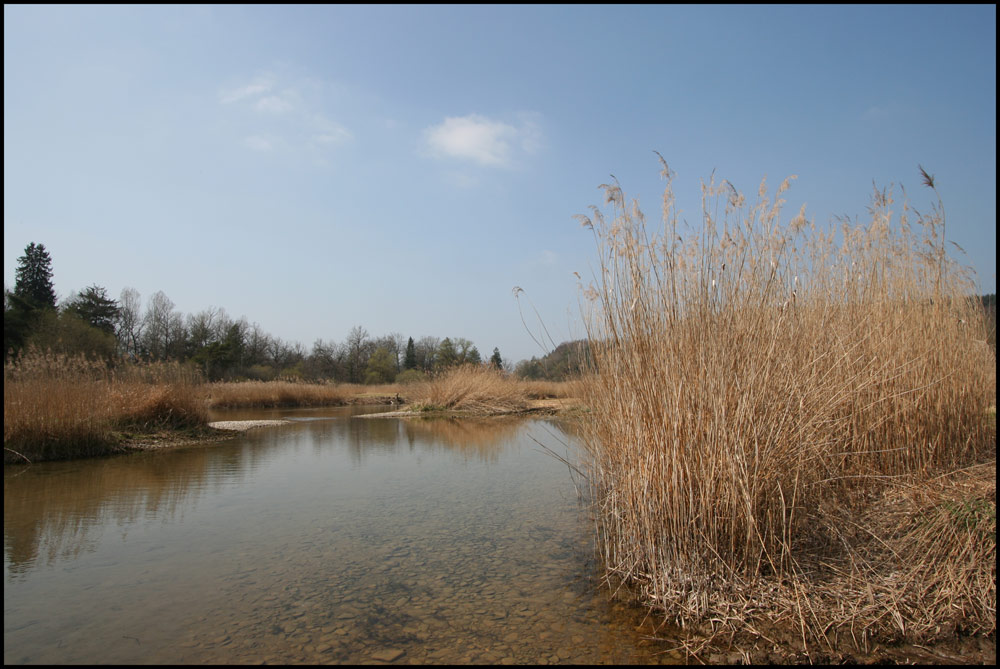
pixel 760 384
pixel 470 389
pixel 57 406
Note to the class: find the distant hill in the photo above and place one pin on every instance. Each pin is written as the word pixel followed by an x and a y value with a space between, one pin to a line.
pixel 567 360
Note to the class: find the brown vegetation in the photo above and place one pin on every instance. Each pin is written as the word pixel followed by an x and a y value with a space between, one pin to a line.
pixel 471 389
pixel 273 394
pixel 58 407
pixel 787 428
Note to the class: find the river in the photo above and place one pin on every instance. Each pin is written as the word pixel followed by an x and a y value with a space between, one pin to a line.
pixel 331 539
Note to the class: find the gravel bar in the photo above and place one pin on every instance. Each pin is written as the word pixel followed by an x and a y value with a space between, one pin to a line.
pixel 240 425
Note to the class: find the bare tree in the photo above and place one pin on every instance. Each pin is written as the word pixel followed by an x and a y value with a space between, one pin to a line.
pixel 257 342
pixel 325 361
pixel 463 349
pixel 158 323
pixel 202 327
pixel 426 350
pixel 395 344
pixel 130 323
pixel 358 351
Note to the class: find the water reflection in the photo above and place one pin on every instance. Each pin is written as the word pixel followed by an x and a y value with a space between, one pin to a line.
pixel 51 510
pixel 330 539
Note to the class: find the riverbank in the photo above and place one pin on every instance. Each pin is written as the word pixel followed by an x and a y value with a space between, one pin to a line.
pixel 546 407
pixel 57 408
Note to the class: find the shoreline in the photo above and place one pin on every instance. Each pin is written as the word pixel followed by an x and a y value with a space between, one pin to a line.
pixel 545 407
pixel 134 441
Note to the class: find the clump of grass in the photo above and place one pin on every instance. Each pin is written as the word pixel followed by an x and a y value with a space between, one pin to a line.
pixel 758 386
pixel 473 389
pixel 541 390
pixel 274 394
pixel 57 406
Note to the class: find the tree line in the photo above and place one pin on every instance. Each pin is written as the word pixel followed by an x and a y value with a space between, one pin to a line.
pixel 568 359
pixel 91 323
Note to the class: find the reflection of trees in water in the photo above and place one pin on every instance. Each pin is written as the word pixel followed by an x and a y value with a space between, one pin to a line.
pixel 56 510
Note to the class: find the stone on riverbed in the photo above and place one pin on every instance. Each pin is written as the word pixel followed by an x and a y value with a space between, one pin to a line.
pixel 387 655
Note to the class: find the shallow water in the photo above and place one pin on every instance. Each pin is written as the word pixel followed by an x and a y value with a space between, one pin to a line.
pixel 330 539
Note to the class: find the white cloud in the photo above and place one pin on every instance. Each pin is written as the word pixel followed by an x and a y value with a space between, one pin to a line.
pixel 257 87
pixel 481 140
pixel 282 117
pixel 272 104
pixel 327 132
pixel 336 137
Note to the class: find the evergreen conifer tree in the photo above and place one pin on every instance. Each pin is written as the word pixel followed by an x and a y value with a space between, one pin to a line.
pixel 473 357
pixel 446 354
pixel 95 307
pixel 33 280
pixel 410 362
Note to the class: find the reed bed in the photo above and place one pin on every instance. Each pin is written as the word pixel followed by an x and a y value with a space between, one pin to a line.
pixel 542 390
pixel 472 389
pixel 274 394
pixel 58 407
pixel 763 392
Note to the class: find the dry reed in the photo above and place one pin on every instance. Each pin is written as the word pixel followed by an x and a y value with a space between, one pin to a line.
pixel 471 389
pixel 274 394
pixel 58 407
pixel 760 387
pixel 541 390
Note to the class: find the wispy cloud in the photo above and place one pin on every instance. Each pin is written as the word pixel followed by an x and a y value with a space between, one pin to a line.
pixel 281 117
pixel 327 132
pixel 257 87
pixel 482 140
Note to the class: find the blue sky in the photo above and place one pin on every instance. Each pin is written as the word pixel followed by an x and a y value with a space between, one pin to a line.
pixel 402 168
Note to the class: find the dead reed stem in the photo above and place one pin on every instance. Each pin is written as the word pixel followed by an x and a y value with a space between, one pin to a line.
pixel 473 389
pixel 59 407
pixel 760 386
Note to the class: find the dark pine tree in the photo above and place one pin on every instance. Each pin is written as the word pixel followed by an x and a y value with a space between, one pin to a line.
pixel 95 307
pixel 447 356
pixel 411 355
pixel 33 280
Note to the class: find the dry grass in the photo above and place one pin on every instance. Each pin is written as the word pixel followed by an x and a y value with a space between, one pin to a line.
pixel 761 387
pixel 59 407
pixel 471 389
pixel 543 390
pixel 291 394
pixel 274 394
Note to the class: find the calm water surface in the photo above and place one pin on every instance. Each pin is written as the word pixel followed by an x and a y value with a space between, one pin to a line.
pixel 331 539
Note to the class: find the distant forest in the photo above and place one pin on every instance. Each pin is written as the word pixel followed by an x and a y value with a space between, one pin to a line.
pixel 93 324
